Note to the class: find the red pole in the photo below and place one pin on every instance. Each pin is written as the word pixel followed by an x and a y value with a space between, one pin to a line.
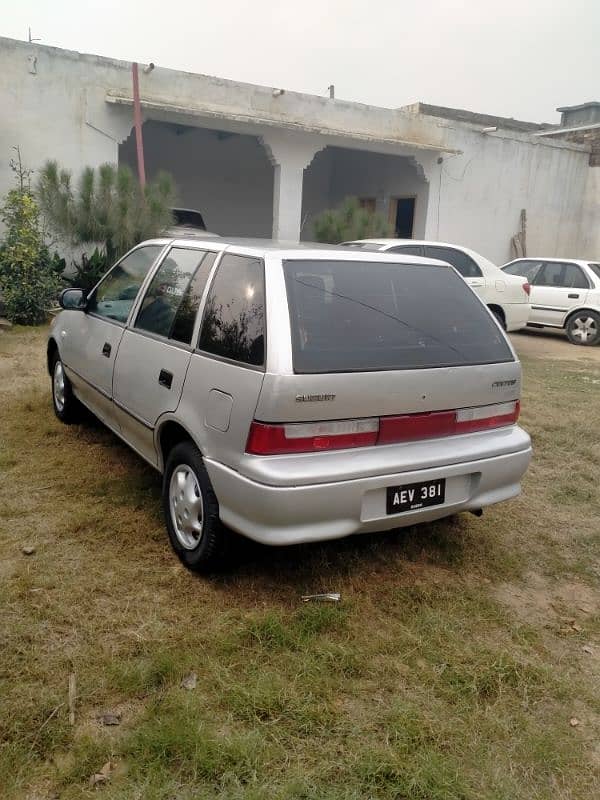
pixel 137 124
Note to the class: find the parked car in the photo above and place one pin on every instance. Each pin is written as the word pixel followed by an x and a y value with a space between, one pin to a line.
pixel 188 222
pixel 294 394
pixel 565 294
pixel 507 298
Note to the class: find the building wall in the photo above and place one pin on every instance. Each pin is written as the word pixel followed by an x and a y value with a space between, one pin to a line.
pixel 53 108
pixel 55 105
pixel 337 172
pixel 381 176
pixel 482 192
pixel 227 177
pixel 589 238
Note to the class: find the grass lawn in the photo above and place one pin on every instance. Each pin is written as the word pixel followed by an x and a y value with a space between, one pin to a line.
pixel 452 668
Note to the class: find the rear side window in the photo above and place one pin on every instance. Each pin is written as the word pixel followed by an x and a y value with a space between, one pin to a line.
pixel 349 316
pixel 525 269
pixel 233 325
pixel 460 261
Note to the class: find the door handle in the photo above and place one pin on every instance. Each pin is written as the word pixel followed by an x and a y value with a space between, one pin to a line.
pixel 106 350
pixel 165 378
pixel 573 296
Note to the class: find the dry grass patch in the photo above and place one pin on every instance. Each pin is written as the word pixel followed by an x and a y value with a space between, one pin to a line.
pixel 444 673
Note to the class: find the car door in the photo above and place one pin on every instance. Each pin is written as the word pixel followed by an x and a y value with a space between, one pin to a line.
pixel 89 341
pixel 155 350
pixel 466 266
pixel 557 288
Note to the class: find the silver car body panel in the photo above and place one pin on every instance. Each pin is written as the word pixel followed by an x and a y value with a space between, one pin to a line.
pixel 304 496
pixel 278 515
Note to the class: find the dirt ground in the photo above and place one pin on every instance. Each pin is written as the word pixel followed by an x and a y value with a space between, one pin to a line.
pixel 552 345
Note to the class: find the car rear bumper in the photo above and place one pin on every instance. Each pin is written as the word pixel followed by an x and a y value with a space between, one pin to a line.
pixel 284 515
pixel 516 315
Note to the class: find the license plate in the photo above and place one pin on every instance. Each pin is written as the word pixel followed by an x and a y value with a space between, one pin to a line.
pixel 413 496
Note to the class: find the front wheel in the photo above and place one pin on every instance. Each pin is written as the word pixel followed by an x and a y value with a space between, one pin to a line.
pixel 191 510
pixel 66 406
pixel 584 328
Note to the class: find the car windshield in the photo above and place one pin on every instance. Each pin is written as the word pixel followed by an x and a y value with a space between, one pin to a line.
pixel 350 316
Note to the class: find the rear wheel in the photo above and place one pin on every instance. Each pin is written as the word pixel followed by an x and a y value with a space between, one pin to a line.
pixel 499 314
pixel 584 328
pixel 66 406
pixel 191 510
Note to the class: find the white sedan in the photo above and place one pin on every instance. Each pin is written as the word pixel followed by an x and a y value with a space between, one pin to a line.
pixel 565 294
pixel 505 295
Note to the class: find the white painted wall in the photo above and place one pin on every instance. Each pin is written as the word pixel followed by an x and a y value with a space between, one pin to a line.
pixel 53 107
pixel 482 192
pixel 227 177
pixel 589 229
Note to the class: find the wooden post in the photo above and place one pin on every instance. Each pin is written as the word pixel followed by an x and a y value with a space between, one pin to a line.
pixel 137 124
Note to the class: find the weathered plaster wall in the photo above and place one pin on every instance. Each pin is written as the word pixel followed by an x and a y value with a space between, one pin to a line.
pixel 589 228
pixel 480 194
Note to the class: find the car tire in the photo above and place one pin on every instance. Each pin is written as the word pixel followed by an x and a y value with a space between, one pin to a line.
pixel 499 314
pixel 191 510
pixel 583 328
pixel 66 406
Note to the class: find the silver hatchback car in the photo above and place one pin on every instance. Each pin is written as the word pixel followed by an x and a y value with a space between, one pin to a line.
pixel 294 393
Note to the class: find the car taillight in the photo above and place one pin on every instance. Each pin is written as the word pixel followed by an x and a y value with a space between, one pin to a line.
pixel 527 288
pixel 306 437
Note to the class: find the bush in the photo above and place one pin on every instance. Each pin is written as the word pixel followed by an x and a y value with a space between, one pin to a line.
pixel 108 209
pixel 349 222
pixel 89 270
pixel 29 275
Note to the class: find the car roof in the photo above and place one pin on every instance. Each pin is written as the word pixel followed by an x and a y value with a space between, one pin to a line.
pixel 293 250
pixel 394 242
pixel 482 261
pixel 582 262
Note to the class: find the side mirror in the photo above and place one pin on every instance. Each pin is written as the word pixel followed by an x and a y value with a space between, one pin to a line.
pixel 73 299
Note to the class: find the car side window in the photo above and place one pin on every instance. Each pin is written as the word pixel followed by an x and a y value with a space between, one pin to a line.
pixel 575 278
pixel 183 324
pixel 526 269
pixel 168 303
pixel 463 263
pixel 233 325
pixel 561 276
pixel 407 250
pixel 115 295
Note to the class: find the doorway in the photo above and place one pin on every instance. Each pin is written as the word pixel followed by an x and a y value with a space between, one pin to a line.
pixel 402 216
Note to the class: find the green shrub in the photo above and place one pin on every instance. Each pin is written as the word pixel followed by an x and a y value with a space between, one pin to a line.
pixel 29 275
pixel 349 222
pixel 107 209
pixel 89 270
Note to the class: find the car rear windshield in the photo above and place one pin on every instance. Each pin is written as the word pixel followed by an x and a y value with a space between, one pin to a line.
pixel 357 316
